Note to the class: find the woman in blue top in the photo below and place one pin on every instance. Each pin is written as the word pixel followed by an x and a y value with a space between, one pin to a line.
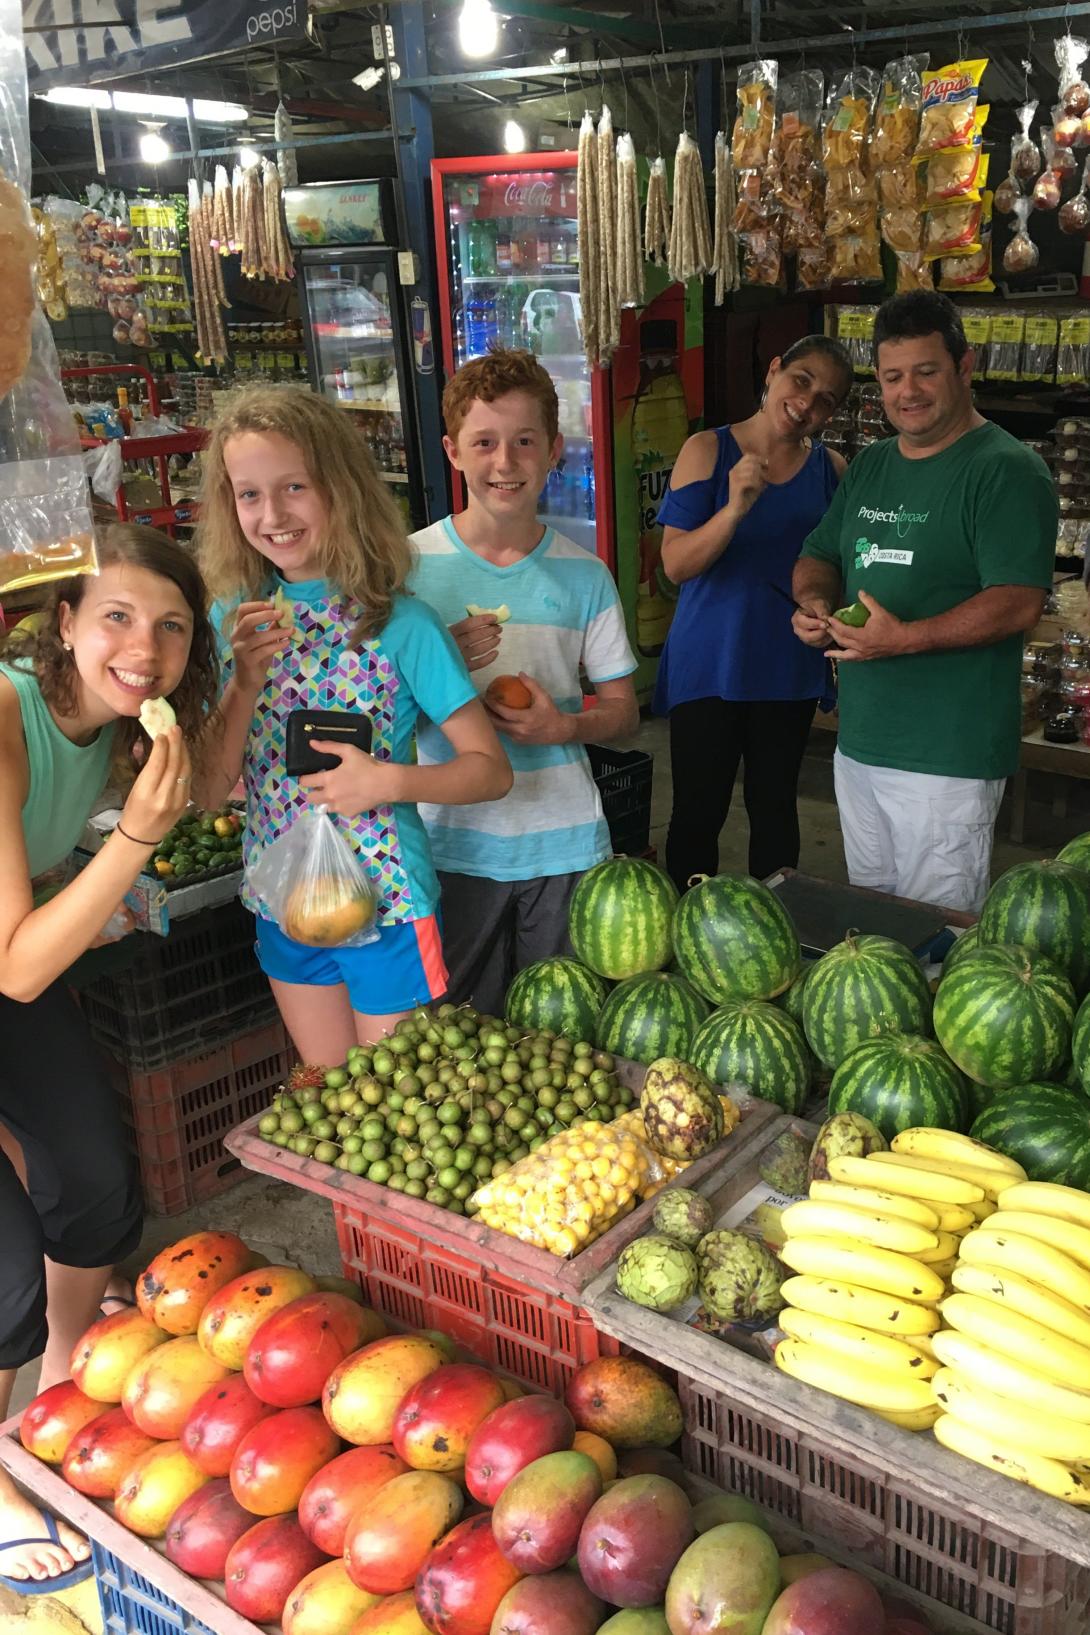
pixel 735 681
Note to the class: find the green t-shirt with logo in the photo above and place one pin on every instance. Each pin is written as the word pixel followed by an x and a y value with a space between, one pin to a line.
pixel 922 536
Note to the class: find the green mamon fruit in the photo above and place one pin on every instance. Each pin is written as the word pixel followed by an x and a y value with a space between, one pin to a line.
pixel 845 1135
pixel 682 1215
pixel 560 995
pixel 682 1114
pixel 854 614
pixel 734 1569
pixel 656 1272
pixel 740 1277
pixel 1004 1016
pixel 901 1082
pixel 733 939
pixel 864 987
pixel 784 1165
pixel 752 1043
pixel 650 1016
pixel 1043 907
pixel 1045 1127
pixel 1076 851
pixel 965 944
pixel 620 915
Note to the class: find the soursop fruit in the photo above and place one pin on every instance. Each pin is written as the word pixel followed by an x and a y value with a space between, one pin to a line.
pixel 657 1272
pixel 683 1215
pixel 682 1114
pixel 739 1278
pixel 784 1165
pixel 846 1135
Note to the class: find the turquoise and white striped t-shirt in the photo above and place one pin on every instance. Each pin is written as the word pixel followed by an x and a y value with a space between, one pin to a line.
pixel 565 614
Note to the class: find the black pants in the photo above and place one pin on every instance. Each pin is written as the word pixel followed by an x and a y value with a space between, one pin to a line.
pixel 708 738
pixel 493 929
pixel 83 1204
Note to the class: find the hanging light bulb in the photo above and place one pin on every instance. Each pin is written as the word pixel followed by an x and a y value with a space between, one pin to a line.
pixel 478 28
pixel 248 158
pixel 514 137
pixel 153 149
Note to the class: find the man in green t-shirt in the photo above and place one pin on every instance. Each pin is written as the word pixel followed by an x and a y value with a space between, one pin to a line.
pixel 946 535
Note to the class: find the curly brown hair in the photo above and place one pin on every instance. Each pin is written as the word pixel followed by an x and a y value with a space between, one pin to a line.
pixel 194 698
pixel 365 551
pixel 502 370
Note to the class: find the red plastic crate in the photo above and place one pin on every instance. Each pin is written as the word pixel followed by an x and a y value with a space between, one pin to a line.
pixel 539 1337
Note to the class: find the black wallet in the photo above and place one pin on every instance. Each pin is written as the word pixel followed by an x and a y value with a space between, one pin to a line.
pixel 339 726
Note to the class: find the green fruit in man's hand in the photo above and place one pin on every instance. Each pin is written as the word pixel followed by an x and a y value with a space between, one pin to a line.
pixel 855 614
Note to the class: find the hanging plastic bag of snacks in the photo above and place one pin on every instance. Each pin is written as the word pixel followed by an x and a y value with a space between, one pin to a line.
pixel 1073 352
pixel 950 97
pixel 953 229
pixel 1021 254
pixel 855 330
pixel 1048 188
pixel 762 257
pixel 1039 351
pixel 1071 53
pixel 902 229
pixel 751 139
pixel 849 111
pixel 857 258
pixel 913 272
pixel 1025 154
pixel 897 118
pixel 795 170
pixel 1075 214
pixel 1006 195
pixel 956 173
pixel 972 274
pixel 901 186
pixel 812 267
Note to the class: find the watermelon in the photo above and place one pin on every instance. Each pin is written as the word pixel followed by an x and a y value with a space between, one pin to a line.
pixel 791 998
pixel 1076 851
pixel 559 995
pixel 1080 1048
pixel 964 945
pixel 1004 1015
pixel 1045 906
pixel 1045 1127
pixel 646 1017
pixel 619 917
pixel 864 987
pixel 752 1043
pixel 901 1082
pixel 733 939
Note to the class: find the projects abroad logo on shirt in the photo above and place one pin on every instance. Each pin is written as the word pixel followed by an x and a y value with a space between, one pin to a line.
pixel 904 521
pixel 867 553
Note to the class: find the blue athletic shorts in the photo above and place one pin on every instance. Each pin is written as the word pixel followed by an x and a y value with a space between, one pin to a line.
pixel 405 967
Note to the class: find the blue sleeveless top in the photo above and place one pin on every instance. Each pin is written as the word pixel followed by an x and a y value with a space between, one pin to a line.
pixel 731 635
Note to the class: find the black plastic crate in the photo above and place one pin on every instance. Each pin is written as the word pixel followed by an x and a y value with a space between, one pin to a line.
pixel 624 783
pixel 183 992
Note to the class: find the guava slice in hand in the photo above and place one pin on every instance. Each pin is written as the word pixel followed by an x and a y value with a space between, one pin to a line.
pixel 156 716
pixel 501 614
pixel 854 614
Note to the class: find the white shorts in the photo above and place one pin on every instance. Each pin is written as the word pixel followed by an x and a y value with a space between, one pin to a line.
pixel 916 834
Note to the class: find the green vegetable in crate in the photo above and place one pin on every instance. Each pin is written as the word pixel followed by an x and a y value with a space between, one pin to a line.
pixel 845 1135
pixel 682 1114
pixel 753 1043
pixel 739 1278
pixel 1043 907
pixel 657 1272
pixel 1004 1016
pixel 863 987
pixel 650 1016
pixel 620 915
pixel 682 1215
pixel 1046 1127
pixel 785 1164
pixel 733 939
pixel 559 994
pixel 901 1082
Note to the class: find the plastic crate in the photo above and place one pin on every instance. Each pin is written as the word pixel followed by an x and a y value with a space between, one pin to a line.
pixel 178 1115
pixel 131 1604
pixel 624 783
pixel 200 983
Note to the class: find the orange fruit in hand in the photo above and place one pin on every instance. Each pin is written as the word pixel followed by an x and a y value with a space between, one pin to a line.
pixel 509 691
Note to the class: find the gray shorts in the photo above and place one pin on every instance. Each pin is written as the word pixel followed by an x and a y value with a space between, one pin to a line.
pixel 492 929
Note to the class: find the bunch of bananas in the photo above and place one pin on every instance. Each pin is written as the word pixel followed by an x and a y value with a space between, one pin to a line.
pixel 875 1246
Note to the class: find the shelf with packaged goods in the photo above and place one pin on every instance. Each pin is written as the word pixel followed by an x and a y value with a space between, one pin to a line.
pixel 520 275
pixel 368 406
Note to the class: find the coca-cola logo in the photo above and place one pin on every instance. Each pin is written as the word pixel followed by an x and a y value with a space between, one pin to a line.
pixel 529 195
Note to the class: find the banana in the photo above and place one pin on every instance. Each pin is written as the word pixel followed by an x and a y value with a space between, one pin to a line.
pixel 1029 1299
pixel 857 1344
pixel 921 1419
pixel 992 1182
pixel 866 1385
pixel 1066 1236
pixel 1047 1475
pixel 983 1366
pixel 956 1218
pixel 1019 1338
pixel 1047 1198
pixel 959 1149
pixel 981 1211
pixel 944 1267
pixel 880 1269
pixel 863 1308
pixel 920 1342
pixel 897 1176
pixel 811 1218
pixel 1039 1262
pixel 1021 1425
pixel 946 1248
pixel 886 1203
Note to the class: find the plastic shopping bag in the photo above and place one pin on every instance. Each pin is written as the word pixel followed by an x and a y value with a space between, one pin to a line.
pixel 314 885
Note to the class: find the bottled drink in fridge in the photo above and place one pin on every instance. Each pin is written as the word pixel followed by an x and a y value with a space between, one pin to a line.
pixel 481 246
pixel 588 489
pixel 482 324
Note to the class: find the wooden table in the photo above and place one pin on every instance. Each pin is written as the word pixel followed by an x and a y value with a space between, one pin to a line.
pixel 1066 760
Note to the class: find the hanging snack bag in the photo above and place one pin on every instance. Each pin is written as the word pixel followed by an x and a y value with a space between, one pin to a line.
pixel 795 169
pixel 1048 188
pixel 957 173
pixel 1005 346
pixel 857 258
pixel 950 98
pixel 1039 352
pixel 1025 154
pixel 913 272
pixel 900 186
pixel 1075 214
pixel 848 115
pixel 1021 255
pixel 897 118
pixel 953 229
pixel 1073 352
pixel 762 257
pixel 812 268
pixel 972 274
pixel 751 140
pixel 902 229
pixel 1006 195
pixel 1071 53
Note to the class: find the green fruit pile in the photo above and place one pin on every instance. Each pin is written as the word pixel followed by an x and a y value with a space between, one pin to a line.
pixel 449 1100
pixel 200 843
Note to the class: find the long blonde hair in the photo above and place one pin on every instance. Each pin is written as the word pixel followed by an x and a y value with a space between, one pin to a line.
pixel 364 551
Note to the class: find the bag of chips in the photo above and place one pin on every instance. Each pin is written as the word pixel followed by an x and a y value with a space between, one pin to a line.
pixel 950 97
pixel 972 274
pixel 952 229
pixel 848 113
pixel 956 173
pixel 914 272
pixel 795 166
pixel 751 139
pixel 897 118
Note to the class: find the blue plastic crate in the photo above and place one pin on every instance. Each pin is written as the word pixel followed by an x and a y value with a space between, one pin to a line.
pixel 132 1606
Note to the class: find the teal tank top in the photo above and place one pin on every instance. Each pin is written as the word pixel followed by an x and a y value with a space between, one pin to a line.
pixel 66 779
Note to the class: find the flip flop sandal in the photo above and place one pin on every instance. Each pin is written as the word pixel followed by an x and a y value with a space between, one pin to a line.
pixel 46 1586
pixel 117 1301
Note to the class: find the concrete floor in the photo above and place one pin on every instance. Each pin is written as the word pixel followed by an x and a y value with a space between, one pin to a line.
pixel 286 1224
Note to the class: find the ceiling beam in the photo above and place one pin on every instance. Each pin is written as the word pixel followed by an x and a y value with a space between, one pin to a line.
pixel 593 22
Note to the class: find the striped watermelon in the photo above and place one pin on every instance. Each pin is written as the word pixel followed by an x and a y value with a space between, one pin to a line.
pixel 619 917
pixel 1080 1048
pixel 1045 1127
pixel 864 987
pixel 752 1043
pixel 964 945
pixel 1076 851
pixel 1045 906
pixel 559 995
pixel 900 1082
pixel 791 998
pixel 733 939
pixel 646 1017
pixel 1004 1015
